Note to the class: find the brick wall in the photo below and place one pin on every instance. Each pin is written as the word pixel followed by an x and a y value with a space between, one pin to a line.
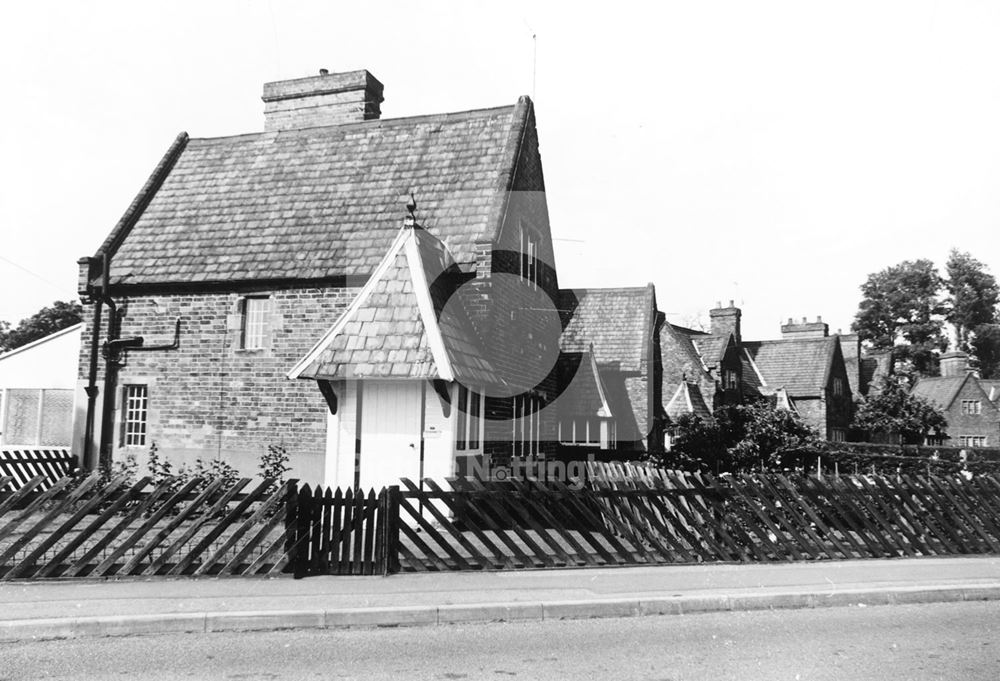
pixel 985 424
pixel 210 397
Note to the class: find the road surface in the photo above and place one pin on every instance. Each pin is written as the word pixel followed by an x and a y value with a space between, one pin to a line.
pixel 937 641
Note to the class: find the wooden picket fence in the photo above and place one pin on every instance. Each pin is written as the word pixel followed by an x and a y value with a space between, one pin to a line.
pixel 688 518
pixel 21 465
pixel 622 515
pixel 339 532
pixel 89 527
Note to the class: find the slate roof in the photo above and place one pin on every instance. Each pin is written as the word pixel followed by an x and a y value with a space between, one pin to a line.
pixel 400 326
pixel 317 202
pixel 711 348
pixel 801 366
pixel 616 321
pixel 991 386
pixel 941 390
pixel 687 399
pixel 584 394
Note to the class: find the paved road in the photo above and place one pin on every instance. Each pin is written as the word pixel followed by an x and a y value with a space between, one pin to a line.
pixel 938 641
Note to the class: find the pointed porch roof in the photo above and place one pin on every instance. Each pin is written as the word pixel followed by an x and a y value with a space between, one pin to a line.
pixel 404 324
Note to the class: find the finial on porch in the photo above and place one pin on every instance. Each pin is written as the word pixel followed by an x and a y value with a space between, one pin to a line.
pixel 411 205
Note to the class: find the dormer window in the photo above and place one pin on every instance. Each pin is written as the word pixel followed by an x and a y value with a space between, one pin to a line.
pixel 838 386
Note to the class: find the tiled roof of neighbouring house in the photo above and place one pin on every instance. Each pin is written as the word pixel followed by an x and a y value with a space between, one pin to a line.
pixel 991 386
pixel 320 202
pixel 616 321
pixel 801 366
pixel 711 348
pixel 941 390
pixel 687 399
pixel 402 326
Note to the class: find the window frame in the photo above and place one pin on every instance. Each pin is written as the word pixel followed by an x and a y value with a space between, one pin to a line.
pixel 972 407
pixel 529 243
pixel 469 422
pixel 254 322
pixel 135 411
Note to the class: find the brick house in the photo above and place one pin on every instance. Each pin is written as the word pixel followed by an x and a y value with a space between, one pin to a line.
pixel 807 364
pixel 804 371
pixel 973 417
pixel 610 367
pixel 241 253
pixel 702 370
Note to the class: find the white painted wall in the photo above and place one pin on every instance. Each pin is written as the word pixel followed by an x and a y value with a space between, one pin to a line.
pixel 48 363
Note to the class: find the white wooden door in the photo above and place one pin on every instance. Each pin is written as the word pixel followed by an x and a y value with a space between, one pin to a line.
pixel 390 432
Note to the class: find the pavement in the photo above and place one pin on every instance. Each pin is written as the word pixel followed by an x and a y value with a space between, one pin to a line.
pixel 71 609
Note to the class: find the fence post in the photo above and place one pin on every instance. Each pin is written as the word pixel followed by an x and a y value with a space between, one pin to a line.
pixel 291 508
pixel 389 512
pixel 301 532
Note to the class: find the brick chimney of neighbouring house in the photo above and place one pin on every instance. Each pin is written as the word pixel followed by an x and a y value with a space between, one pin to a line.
pixel 326 99
pixel 806 329
pixel 726 320
pixel 955 364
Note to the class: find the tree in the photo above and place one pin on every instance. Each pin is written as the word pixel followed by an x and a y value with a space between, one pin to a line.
pixel 894 410
pixel 743 437
pixel 44 322
pixel 901 303
pixel 985 346
pixel 972 296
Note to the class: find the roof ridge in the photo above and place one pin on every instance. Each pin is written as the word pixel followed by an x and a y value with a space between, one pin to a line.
pixel 377 122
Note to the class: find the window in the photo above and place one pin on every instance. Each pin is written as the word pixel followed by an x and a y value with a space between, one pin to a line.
pixel 36 417
pixel 529 255
pixel 972 407
pixel 527 421
pixel 973 441
pixel 838 435
pixel 838 389
pixel 470 405
pixel 134 410
pixel 730 381
pixel 254 323
pixel 587 432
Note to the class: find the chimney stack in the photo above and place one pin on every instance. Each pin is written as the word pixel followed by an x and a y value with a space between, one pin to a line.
pixel 726 320
pixel 806 329
pixel 326 99
pixel 955 364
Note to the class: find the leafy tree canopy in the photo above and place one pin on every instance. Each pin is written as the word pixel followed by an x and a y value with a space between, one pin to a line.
pixel 902 303
pixel 985 345
pixel 892 409
pixel 44 322
pixel 743 437
pixel 972 296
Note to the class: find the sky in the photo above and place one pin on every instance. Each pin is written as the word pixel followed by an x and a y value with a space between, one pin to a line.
pixel 770 153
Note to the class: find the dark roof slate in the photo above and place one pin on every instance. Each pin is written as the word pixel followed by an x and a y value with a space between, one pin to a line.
pixel 385 332
pixel 617 321
pixel 801 366
pixel 941 390
pixel 320 202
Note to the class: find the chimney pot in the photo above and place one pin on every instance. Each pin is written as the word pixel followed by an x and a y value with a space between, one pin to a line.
pixel 819 319
pixel 731 303
pixel 805 320
pixel 324 72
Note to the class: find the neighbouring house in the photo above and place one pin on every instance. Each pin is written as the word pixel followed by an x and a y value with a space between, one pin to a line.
pixel 404 266
pixel 973 417
pixel 702 370
pixel 37 383
pixel 807 363
pixel 866 369
pixel 609 367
